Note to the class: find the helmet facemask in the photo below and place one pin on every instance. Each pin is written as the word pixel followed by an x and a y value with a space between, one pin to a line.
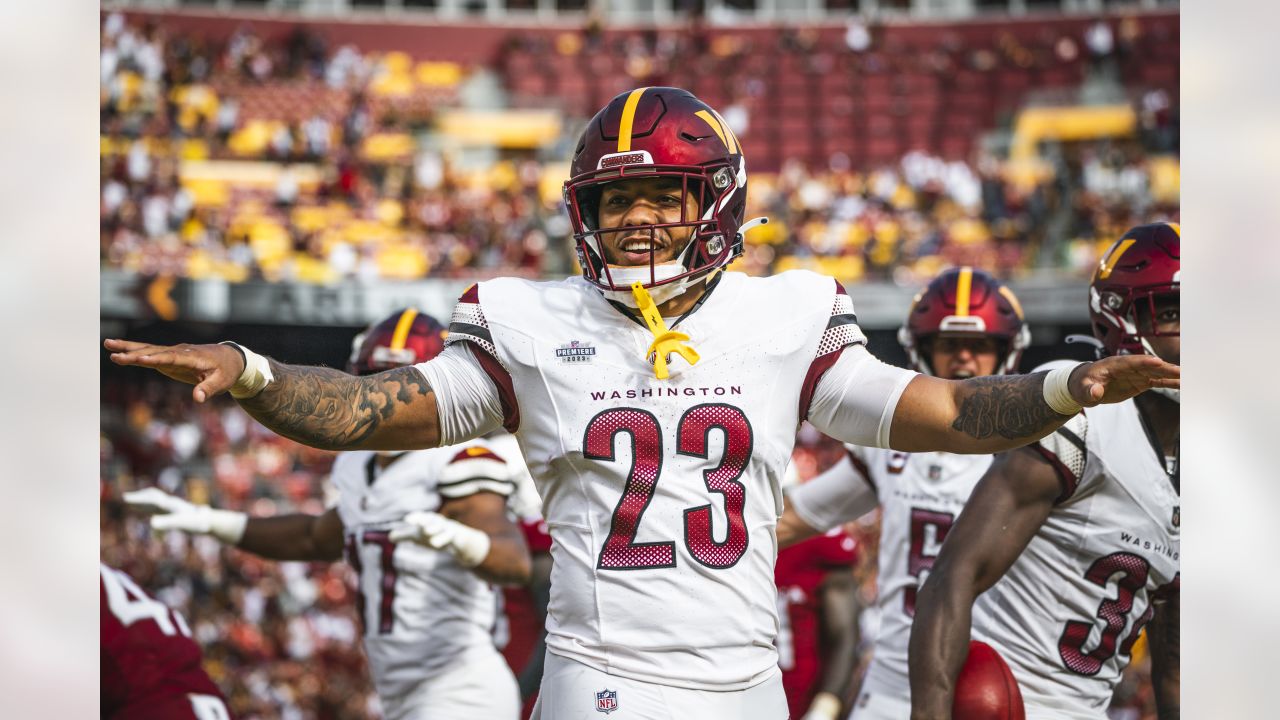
pixel 710 245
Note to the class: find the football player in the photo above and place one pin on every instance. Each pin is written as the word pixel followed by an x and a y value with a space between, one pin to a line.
pixel 964 324
pixel 1068 548
pixel 655 398
pixel 818 623
pixel 150 665
pixel 427 606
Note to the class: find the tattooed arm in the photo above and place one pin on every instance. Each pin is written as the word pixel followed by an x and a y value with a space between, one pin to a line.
pixel 1164 640
pixel 328 409
pixel 992 414
pixel 316 406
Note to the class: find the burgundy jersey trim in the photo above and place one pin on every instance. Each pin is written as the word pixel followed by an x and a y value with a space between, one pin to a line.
pixel 817 369
pixel 506 390
pixel 1066 478
pixel 863 470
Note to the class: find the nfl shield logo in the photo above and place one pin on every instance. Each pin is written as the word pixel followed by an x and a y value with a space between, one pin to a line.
pixel 606 701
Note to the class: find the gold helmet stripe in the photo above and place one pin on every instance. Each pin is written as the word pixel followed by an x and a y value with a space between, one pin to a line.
pixel 401 335
pixel 721 129
pixel 1013 300
pixel 1113 257
pixel 964 284
pixel 628 117
pixel 1176 228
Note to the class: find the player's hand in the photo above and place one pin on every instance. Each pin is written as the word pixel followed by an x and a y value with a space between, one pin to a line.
pixel 1116 379
pixel 467 544
pixel 173 513
pixel 211 368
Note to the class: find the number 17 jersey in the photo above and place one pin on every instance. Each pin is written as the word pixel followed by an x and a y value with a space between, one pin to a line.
pixel 661 496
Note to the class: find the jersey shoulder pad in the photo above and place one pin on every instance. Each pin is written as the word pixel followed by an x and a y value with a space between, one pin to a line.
pixel 473 468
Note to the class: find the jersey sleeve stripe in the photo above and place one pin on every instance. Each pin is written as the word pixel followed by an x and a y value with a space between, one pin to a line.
pixel 506 389
pixel 817 369
pixel 469 331
pixel 842 319
pixel 863 470
pixel 471 487
pixel 1066 478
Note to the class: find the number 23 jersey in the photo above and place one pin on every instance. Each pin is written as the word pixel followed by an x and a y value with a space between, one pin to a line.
pixel 661 496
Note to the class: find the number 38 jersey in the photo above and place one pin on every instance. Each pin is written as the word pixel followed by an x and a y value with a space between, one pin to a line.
pixel 661 496
pixel 422 612
pixel 920 495
pixel 1068 611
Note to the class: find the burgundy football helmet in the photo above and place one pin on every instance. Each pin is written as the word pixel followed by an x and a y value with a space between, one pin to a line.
pixel 660 132
pixel 965 302
pixel 405 337
pixel 1140 268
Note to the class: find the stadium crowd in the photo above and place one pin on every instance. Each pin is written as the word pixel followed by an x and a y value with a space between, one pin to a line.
pixel 341 190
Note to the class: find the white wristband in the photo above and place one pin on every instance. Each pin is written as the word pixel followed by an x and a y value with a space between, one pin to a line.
pixel 470 546
pixel 1057 392
pixel 256 375
pixel 227 525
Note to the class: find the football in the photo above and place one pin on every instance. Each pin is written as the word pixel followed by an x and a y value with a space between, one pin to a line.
pixel 985 688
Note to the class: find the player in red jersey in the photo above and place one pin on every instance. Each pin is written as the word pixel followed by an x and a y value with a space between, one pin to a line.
pixel 150 665
pixel 817 619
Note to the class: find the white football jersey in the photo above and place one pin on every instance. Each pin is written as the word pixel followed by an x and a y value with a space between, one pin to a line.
pixel 661 496
pixel 1067 613
pixel 921 495
pixel 422 612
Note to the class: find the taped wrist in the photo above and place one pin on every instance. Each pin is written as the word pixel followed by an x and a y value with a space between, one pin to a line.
pixel 255 376
pixel 1057 391
pixel 470 546
pixel 226 525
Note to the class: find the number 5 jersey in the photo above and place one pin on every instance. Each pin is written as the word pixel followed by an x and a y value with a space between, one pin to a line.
pixel 661 496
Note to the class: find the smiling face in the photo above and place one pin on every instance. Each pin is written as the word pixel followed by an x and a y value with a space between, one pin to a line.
pixel 960 357
pixel 636 203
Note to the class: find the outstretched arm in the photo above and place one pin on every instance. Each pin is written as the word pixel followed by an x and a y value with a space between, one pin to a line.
pixel 1164 641
pixel 284 537
pixel 993 414
pixel 295 537
pixel 316 406
pixel 1006 509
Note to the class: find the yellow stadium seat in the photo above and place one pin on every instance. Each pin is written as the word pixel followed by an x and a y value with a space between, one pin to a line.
pixel 392 84
pixel 402 262
pixel 252 139
pixel 309 218
pixel 397 62
pixel 389 212
pixel 438 74
pixel 360 232
pixel 387 146
pixel 311 270
pixel 208 193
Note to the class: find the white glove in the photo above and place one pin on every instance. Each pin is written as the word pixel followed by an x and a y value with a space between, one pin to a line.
pixel 825 706
pixel 174 513
pixel 469 545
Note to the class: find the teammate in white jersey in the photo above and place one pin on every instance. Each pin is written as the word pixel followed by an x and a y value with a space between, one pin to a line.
pixel 427 606
pixel 964 324
pixel 1077 536
pixel 656 400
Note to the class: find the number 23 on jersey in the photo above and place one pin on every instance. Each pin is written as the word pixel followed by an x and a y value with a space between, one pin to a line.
pixel 620 550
